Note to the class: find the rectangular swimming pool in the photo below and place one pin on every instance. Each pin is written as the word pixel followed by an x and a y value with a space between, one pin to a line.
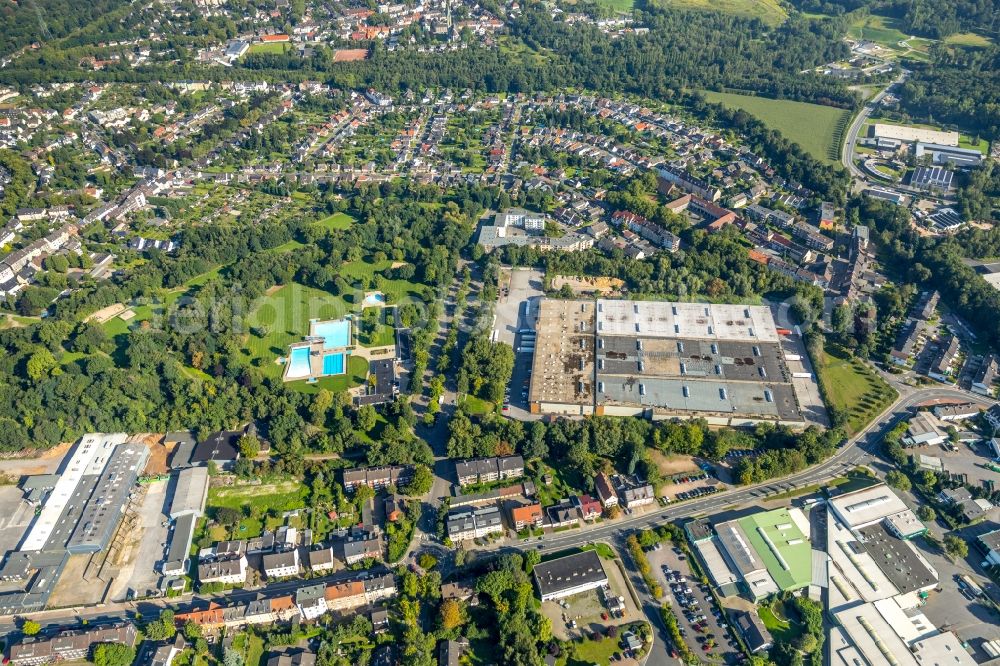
pixel 336 333
pixel 333 364
pixel 298 363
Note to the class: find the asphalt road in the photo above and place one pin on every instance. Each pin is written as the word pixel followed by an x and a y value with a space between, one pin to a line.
pixel 851 138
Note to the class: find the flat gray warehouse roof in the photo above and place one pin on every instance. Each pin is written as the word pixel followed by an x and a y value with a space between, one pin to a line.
pixel 665 319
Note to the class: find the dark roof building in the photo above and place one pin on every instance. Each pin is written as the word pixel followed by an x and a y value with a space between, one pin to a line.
pixel 753 631
pixel 570 575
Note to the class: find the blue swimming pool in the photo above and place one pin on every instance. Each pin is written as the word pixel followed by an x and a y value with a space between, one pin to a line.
pixel 333 364
pixel 336 333
pixel 298 364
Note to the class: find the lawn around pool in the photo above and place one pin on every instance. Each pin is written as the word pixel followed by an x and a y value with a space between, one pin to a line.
pixel 852 388
pixel 817 129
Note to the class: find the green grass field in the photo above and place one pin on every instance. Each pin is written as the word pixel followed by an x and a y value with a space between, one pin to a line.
pixel 968 40
pixel 850 387
pixel 779 627
pixel 270 47
pixel 617 5
pixel 336 221
pixel 882 30
pixel 818 129
pixel 768 11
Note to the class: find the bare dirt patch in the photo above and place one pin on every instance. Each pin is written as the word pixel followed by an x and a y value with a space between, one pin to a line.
pixel 601 285
pixel 271 291
pixel 106 314
pixel 159 452
pixel 672 464
pixel 46 462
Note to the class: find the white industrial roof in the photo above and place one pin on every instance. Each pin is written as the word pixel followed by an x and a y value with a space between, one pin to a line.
pixel 88 459
pixel 866 506
pixel 749 323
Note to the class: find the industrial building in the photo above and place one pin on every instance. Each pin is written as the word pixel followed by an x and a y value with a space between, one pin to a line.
pixel 757 555
pixel 188 504
pixel 78 516
pixel 661 359
pixel 573 574
pixel 913 134
pixel 876 581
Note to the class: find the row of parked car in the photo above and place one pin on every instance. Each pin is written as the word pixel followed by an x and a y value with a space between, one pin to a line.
pixel 696 492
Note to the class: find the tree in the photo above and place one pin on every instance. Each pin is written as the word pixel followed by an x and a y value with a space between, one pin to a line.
pixel 30 628
pixel 427 561
pixel 320 406
pixel 926 513
pixel 249 446
pixel 232 658
pixel 898 480
pixel 192 631
pixel 228 516
pixel 366 418
pixel 420 483
pixel 453 614
pixel 163 627
pixel 113 654
pixel 956 547
pixel 41 363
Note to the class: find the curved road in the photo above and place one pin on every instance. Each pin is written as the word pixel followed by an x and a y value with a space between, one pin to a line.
pixel 851 138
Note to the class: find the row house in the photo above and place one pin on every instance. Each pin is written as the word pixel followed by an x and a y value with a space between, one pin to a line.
pixel 485 470
pixel 377 478
pixel 69 645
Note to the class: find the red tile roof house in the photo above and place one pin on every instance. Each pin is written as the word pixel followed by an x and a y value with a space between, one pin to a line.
pixel 590 508
pixel 605 490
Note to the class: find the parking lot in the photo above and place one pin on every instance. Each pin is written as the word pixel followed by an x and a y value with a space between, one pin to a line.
pixel 701 622
pixel 517 286
pixel 691 486
pixel 974 621
pixel 968 458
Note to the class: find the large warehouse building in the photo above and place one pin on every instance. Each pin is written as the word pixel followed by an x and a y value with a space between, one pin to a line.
pixel 78 517
pixel 661 359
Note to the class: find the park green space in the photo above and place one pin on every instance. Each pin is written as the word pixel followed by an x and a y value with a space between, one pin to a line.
pixel 338 221
pixel 818 129
pixel 852 388
pixel 768 11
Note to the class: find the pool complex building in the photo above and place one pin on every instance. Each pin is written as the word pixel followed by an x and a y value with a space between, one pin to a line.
pixel 323 353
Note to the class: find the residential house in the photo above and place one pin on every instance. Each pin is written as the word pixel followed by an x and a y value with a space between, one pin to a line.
pixel 986 375
pixel 961 412
pixel 228 571
pixel 359 546
pixel 282 565
pixel 321 559
pixel 605 491
pixel 563 514
pixel 377 478
pixel 523 516
pixel 590 508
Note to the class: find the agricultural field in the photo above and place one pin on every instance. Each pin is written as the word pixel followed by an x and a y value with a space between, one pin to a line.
pixel 818 129
pixel 618 5
pixel 768 11
pixel 851 388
